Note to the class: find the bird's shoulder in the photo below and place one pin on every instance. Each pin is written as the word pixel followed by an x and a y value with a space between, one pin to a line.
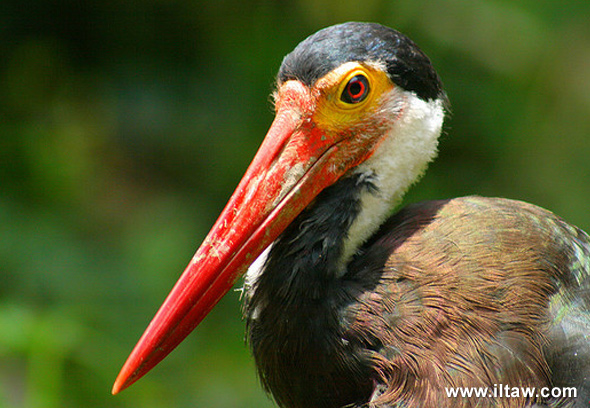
pixel 473 292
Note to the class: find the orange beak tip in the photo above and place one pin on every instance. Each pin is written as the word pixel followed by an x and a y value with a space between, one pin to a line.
pixel 120 383
pixel 129 374
pixel 117 388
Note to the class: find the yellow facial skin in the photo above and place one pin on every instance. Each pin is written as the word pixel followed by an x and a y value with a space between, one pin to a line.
pixel 335 115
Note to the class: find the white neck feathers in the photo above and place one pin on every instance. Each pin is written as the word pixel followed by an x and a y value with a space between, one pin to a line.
pixel 398 162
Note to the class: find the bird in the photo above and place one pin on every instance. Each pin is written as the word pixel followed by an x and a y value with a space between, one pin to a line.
pixel 351 302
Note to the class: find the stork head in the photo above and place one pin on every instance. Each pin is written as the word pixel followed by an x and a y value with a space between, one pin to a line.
pixel 351 97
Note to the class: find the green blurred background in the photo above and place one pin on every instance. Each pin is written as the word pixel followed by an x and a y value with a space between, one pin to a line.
pixel 124 127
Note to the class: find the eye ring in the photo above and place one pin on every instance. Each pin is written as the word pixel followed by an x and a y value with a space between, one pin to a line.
pixel 356 90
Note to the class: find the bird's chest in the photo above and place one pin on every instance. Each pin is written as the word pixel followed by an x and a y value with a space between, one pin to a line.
pixel 304 357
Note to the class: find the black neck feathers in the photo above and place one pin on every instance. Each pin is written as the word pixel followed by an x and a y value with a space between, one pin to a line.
pixel 294 326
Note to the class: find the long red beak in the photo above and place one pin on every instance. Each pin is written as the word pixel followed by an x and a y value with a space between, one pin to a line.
pixel 296 161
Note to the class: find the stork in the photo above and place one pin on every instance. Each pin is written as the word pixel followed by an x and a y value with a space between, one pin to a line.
pixel 347 305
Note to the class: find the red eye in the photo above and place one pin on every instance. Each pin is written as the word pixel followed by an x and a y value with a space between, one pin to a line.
pixel 356 90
